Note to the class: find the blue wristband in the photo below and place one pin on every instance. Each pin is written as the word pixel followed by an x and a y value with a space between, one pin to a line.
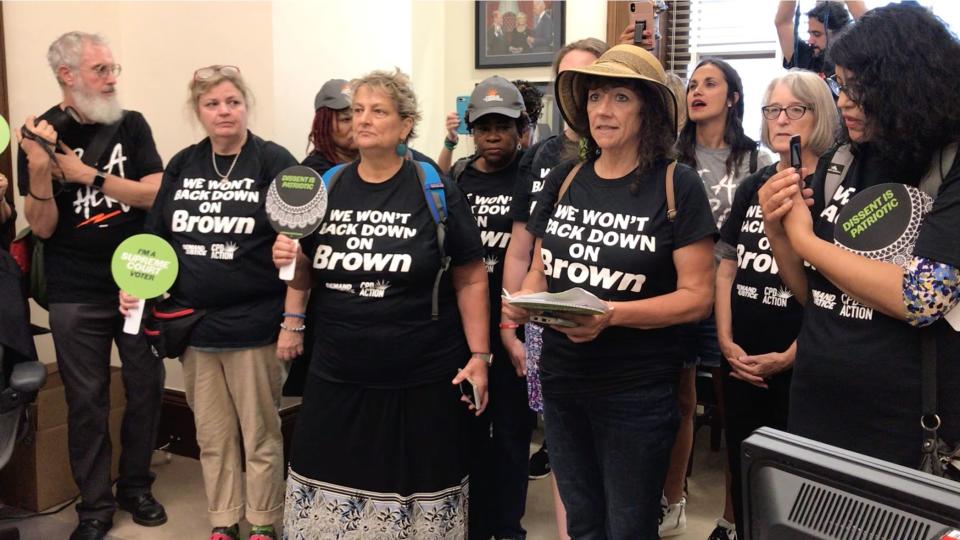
pixel 295 315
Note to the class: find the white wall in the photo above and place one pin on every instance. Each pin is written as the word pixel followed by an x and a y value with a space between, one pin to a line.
pixel 159 44
pixel 315 41
pixel 286 49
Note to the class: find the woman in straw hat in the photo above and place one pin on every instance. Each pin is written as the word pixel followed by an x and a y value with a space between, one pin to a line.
pixel 605 224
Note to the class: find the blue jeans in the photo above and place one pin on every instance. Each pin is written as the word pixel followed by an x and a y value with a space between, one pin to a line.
pixel 610 455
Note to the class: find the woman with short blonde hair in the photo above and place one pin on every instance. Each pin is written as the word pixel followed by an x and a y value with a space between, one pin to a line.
pixel 231 372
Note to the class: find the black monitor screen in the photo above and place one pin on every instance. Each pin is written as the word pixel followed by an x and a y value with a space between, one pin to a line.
pixel 796 488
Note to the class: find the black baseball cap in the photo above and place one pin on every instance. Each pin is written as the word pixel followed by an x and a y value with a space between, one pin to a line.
pixel 334 94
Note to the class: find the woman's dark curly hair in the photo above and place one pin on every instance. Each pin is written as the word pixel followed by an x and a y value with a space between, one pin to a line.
pixel 532 99
pixel 903 64
pixel 733 135
pixel 657 131
pixel 321 136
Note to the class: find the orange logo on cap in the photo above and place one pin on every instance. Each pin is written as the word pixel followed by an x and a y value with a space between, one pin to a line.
pixel 345 90
pixel 492 95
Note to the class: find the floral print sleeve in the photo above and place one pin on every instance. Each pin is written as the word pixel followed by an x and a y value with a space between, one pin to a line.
pixel 930 290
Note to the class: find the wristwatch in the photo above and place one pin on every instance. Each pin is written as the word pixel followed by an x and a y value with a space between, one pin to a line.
pixel 98 179
pixel 485 356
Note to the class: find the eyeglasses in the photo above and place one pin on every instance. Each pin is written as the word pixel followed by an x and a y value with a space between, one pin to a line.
pixel 205 73
pixel 836 87
pixel 104 70
pixel 794 112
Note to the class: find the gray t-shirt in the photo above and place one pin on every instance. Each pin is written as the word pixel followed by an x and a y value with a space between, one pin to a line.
pixel 712 167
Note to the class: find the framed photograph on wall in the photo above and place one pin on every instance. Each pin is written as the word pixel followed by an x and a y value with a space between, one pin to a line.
pixel 518 33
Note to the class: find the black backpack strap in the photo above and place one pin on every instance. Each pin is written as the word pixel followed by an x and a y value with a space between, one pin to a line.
pixel 929 420
pixel 460 166
pixel 94 150
pixel 753 160
pixel 941 164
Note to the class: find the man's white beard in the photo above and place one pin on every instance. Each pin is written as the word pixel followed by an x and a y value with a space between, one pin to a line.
pixel 96 107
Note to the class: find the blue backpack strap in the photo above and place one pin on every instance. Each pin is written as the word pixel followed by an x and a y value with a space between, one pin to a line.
pixel 433 191
pixel 332 175
pixel 436 198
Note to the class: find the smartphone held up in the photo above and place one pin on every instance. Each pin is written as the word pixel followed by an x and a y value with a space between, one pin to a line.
pixel 795 161
pixel 643 16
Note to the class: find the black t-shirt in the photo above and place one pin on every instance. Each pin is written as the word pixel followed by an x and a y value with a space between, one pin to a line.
pixel 489 196
pixel 317 162
pixel 857 374
pixel 223 241
pixel 619 246
pixel 534 168
pixel 803 58
pixel 375 258
pixel 90 225
pixel 8 228
pixel 766 316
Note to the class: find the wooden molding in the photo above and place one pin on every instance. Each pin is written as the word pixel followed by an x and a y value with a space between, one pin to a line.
pixel 178 433
pixel 6 162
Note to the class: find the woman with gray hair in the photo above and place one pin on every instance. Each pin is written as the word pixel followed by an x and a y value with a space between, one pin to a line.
pixel 750 294
pixel 211 208
pixel 401 314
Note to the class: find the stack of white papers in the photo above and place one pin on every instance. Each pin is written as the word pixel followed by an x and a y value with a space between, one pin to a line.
pixel 574 300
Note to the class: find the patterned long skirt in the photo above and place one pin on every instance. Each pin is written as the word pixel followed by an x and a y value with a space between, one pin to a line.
pixel 377 464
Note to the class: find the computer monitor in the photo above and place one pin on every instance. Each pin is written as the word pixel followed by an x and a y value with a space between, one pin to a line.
pixel 799 489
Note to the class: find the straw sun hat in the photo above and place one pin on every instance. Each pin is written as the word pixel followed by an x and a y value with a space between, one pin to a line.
pixel 619 62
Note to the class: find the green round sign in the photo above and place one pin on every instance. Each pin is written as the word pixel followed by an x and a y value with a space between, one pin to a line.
pixel 144 266
pixel 4 134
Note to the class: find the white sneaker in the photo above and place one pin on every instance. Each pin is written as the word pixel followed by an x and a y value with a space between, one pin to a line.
pixel 673 518
pixel 724 531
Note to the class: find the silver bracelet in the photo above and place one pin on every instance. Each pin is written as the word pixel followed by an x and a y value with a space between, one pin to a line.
pixel 298 329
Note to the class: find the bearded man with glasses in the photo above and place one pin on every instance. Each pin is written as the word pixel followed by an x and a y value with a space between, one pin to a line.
pixel 89 171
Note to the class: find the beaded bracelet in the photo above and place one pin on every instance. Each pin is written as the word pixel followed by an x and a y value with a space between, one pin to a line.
pixel 297 329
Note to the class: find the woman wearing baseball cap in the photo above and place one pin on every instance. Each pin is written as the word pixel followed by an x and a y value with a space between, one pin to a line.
pixel 630 226
pixel 331 134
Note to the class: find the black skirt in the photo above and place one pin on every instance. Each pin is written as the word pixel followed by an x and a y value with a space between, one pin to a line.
pixel 378 463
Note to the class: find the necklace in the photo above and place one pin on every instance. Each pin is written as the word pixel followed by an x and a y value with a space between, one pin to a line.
pixel 213 158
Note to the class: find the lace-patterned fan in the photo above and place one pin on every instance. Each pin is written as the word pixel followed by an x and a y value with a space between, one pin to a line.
pixel 296 203
pixel 883 222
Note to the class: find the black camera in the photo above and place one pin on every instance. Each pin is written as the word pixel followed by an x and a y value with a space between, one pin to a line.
pixel 60 119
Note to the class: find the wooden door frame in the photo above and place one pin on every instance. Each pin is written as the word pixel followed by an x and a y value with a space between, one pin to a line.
pixel 6 157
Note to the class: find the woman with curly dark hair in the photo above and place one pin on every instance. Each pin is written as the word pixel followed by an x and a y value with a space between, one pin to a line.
pixel 606 224
pixel 533 103
pixel 331 137
pixel 857 374
pixel 331 133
